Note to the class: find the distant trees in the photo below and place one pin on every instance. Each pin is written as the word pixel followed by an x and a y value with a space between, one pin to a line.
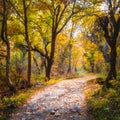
pixel 92 56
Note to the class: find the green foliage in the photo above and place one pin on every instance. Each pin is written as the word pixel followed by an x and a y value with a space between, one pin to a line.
pixel 3 117
pixel 53 81
pixel 118 75
pixel 14 100
pixel 38 78
pixel 105 104
pixel 9 104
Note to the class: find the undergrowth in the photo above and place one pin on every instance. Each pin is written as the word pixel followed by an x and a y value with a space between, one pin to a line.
pixel 8 105
pixel 103 103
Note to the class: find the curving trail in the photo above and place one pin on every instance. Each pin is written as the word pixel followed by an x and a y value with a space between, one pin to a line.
pixel 62 101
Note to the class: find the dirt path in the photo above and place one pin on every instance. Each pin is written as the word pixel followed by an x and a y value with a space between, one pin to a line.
pixel 62 101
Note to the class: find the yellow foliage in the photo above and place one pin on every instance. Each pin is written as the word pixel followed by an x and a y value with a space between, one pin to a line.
pixel 52 81
pixel 62 38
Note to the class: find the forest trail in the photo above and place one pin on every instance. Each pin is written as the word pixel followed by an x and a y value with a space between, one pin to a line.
pixel 62 101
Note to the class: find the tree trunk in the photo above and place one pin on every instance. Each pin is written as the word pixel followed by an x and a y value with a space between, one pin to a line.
pixel 112 71
pixel 75 68
pixel 9 83
pixel 70 58
pixel 29 66
pixel 28 43
pixel 48 69
pixel 4 37
pixel 92 66
pixel 50 60
pixel 37 65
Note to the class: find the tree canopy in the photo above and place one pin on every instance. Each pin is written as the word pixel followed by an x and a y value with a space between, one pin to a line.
pixel 57 37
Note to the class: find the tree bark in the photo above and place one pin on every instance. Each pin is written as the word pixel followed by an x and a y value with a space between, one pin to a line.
pixel 48 69
pixel 4 36
pixel 28 43
pixel 112 71
pixel 50 59
pixel 9 83
pixel 29 66
pixel 111 34
pixel 92 66
pixel 70 58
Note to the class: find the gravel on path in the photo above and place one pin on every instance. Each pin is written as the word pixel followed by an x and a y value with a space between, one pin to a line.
pixel 62 101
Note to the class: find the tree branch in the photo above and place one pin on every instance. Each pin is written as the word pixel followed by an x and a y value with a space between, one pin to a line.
pixel 65 23
pixel 61 15
pixel 68 18
pixel 36 49
pixel 22 20
pixel 29 4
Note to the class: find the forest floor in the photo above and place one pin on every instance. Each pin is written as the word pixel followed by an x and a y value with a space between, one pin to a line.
pixel 61 101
